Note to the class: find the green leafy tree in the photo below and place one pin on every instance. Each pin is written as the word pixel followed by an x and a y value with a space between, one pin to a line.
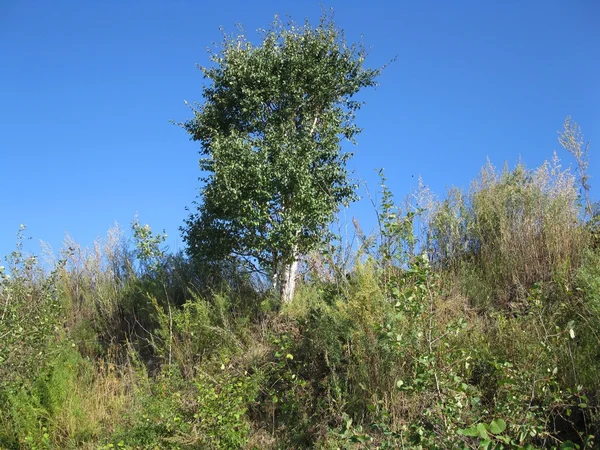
pixel 270 130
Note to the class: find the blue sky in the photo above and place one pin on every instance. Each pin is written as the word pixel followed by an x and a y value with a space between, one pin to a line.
pixel 88 90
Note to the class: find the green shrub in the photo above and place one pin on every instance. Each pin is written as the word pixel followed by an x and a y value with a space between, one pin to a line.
pixel 223 402
pixel 48 412
pixel 161 417
pixel 30 316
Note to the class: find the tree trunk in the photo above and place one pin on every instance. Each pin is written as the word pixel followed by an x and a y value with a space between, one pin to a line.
pixel 288 280
pixel 275 280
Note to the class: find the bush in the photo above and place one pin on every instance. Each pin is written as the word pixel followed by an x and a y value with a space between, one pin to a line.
pixel 30 316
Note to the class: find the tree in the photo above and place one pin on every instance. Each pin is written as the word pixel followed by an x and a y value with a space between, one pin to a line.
pixel 270 130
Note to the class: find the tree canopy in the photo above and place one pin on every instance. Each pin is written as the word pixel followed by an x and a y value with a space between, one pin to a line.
pixel 270 130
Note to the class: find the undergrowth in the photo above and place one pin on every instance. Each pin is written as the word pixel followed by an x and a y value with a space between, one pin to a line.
pixel 470 322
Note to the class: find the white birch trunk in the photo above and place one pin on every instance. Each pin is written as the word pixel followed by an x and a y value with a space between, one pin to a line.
pixel 288 281
pixel 275 282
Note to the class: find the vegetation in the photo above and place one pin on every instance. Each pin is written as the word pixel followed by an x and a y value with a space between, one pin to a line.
pixel 270 129
pixel 469 322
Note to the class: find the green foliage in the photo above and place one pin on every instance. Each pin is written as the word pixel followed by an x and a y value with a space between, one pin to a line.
pixel 30 314
pixel 451 229
pixel 270 130
pixel 396 231
pixel 583 312
pixel 148 245
pixel 393 247
pixel 46 412
pixel 192 334
pixel 483 336
pixel 162 418
pixel 588 282
pixel 223 402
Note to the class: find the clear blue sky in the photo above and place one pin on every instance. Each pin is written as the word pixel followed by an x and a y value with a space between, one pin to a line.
pixel 88 89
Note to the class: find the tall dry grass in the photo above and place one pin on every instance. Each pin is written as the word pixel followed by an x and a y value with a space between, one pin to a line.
pixel 516 227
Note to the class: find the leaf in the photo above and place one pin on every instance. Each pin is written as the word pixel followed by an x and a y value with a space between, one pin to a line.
pixel 503 438
pixel 485 444
pixel 361 438
pixel 471 431
pixel 482 430
pixel 497 426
